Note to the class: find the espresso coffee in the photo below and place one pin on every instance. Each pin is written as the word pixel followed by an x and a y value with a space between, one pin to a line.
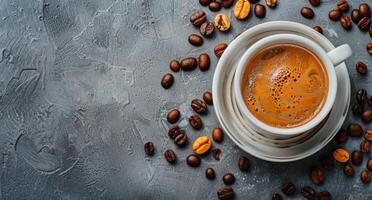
pixel 285 85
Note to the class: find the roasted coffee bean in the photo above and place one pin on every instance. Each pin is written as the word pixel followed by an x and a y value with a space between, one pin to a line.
pixel 208 98
pixel 326 162
pixel 370 32
pixel 341 137
pixel 188 64
pixel 367 115
pixel 356 157
pixel 204 2
pixel 207 29
pixel 199 106
pixel 357 109
pixel 271 3
pixel 259 10
pixel 195 40
pixel 174 131
pixel 227 3
pixel 288 188
pixel 349 170
pixel 318 29
pixel 173 116
pixel 193 160
pixel 217 135
pixel 244 164
pixel 369 164
pixel 368 135
pixel 345 22
pixel 222 22
pixel 198 18
pixel 324 195
pixel 204 62
pixel 354 130
pixel 365 146
pixel 365 176
pixel 343 6
pixel 307 12
pixel 361 95
pixel 170 156
pixel 149 148
pixel 317 176
pixel 361 68
pixel 364 10
pixel 364 23
pixel 241 9
pixel 201 145
pixel 174 65
pixel 369 101
pixel 167 81
pixel 276 196
pixel 308 192
pixel 369 48
pixel 216 154
pixel 214 6
pixel 220 48
pixel 228 178
pixel 210 174
pixel 355 16
pixel 334 15
pixel 181 140
pixel 253 1
pixel 341 155
pixel 195 122
pixel 314 2
pixel 225 193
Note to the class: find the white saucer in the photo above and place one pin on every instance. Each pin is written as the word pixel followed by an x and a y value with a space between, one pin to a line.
pixel 271 149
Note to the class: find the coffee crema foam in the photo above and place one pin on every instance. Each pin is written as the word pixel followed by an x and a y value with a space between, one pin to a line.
pixel 285 85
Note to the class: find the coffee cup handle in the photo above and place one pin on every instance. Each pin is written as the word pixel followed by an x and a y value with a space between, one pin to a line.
pixel 339 54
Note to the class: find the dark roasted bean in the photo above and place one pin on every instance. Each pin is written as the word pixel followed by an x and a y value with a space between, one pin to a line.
pixel 367 115
pixel 314 2
pixel 173 116
pixel 217 135
pixel 341 136
pixel 349 170
pixel 170 156
pixel 167 81
pixel 204 62
pixel 227 3
pixel 334 15
pixel 354 130
pixel 228 178
pixel 361 96
pixel 195 40
pixel 356 157
pixel 204 2
pixel 225 193
pixel 189 63
pixel 369 164
pixel 308 192
pixel 288 188
pixel 195 122
pixel 307 12
pixel 364 24
pixel 210 174
pixel 174 131
pixel 207 29
pixel 369 48
pixel 149 148
pixel 365 146
pixel 318 29
pixel 324 195
pixel 364 10
pixel 219 49
pixel 365 176
pixel 244 164
pixel 193 160
pixel 368 135
pixel 214 6
pixel 199 106
pixel 216 154
pixel 181 140
pixel 259 10
pixel 198 18
pixel 208 98
pixel 343 6
pixel 345 22
pixel 361 68
pixel 355 16
pixel 358 109
pixel 317 176
pixel 174 65
pixel 326 162
pixel 276 196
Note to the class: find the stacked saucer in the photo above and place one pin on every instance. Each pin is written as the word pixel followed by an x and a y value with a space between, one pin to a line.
pixel 271 148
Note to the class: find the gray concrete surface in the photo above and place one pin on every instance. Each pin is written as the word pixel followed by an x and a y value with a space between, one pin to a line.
pixel 80 94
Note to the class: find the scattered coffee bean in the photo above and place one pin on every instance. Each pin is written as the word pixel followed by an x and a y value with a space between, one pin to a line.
pixel 276 196
pixel 370 32
pixel 199 106
pixel 208 98
pixel 201 145
pixel 357 109
pixel 314 2
pixel 228 178
pixel 326 162
pixel 349 170
pixel 364 23
pixel 225 193
pixel 227 3
pixel 170 156
pixel 220 48
pixel 369 101
pixel 181 140
pixel 271 3
pixel 167 80
pixel 149 148
pixel 241 9
pixel 369 48
pixel 244 164
pixel 204 62
pixel 307 12
pixel 204 2
pixel 361 68
pixel 173 116
pixel 334 15
pixel 217 135
pixel 288 188
pixel 365 176
pixel 317 176
pixel 195 40
pixel 324 195
pixel 174 65
pixel 318 29
pixel 193 160
pixel 343 6
pixel 341 155
pixel 341 137
pixel 345 22
pixel 308 192
pixel 198 18
pixel 354 130
pixel 356 157
pixel 361 95
pixel 195 122
pixel 188 64
pixel 369 164
pixel 367 115
pixel 259 10
pixel 368 135
pixel 207 29
pixel 365 146
pixel 210 174
pixel 355 16
pixel 214 6
pixel 216 154
pixel 222 22
pixel 174 131
pixel 364 10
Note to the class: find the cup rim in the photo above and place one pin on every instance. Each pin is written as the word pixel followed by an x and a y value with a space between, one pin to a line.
pixel 294 39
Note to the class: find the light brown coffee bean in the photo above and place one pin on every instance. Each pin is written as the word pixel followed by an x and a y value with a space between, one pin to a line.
pixel 167 81
pixel 307 12
pixel 271 3
pixel 204 62
pixel 364 23
pixel 174 65
pixel 201 145
pixel 343 6
pixel 345 22
pixel 208 98
pixel 219 49
pixel 341 155
pixel 195 40
pixel 198 18
pixel 241 9
pixel 217 135
pixel 361 68
pixel 364 10
pixel 334 15
pixel 188 64
pixel 222 22
pixel 259 10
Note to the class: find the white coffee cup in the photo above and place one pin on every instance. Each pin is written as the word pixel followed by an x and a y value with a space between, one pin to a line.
pixel 330 59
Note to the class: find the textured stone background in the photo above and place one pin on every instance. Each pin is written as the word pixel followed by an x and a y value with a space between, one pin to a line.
pixel 80 94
